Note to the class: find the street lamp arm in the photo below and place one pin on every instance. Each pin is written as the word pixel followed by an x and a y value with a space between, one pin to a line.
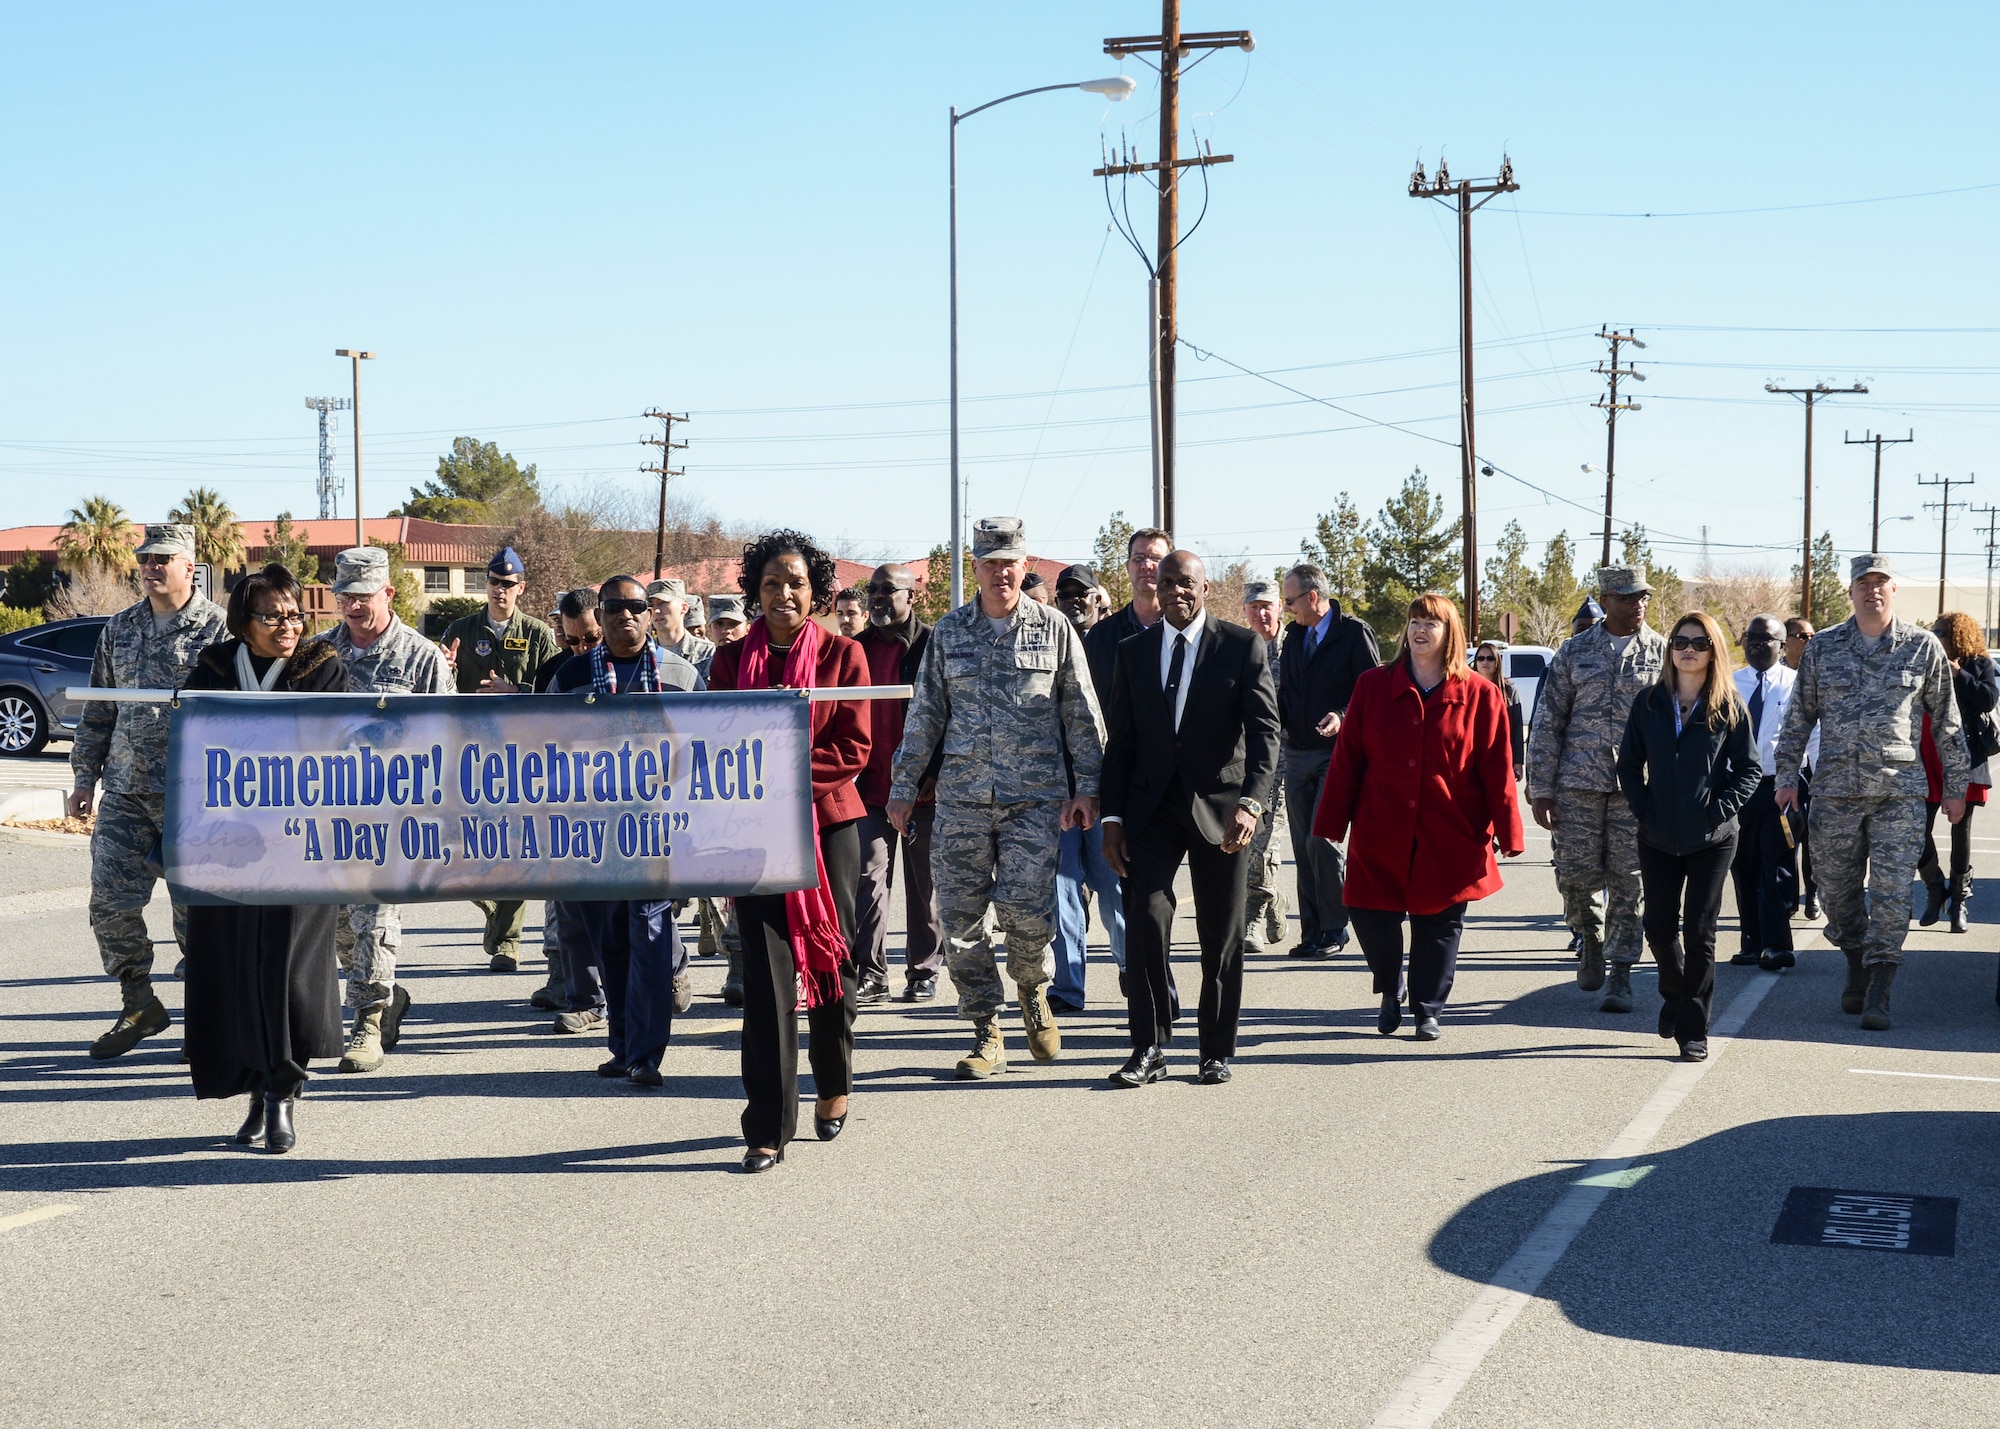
pixel 1019 94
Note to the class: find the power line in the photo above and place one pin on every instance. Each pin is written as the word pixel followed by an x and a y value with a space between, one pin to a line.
pixel 1771 208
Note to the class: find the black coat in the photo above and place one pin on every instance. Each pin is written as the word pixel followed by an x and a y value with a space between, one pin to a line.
pixel 1100 649
pixel 1685 789
pixel 1226 747
pixel 1314 689
pixel 262 995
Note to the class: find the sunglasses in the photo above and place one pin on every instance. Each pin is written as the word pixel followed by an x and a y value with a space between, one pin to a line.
pixel 1486 659
pixel 492 584
pixel 874 589
pixel 154 560
pixel 1801 637
pixel 1692 642
pixel 1760 640
pixel 623 607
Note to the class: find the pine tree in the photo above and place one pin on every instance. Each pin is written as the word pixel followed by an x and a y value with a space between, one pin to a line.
pixel 476 484
pixel 1509 586
pixel 1669 601
pixel 284 545
pixel 1409 553
pixel 1830 604
pixel 1340 548
pixel 1109 551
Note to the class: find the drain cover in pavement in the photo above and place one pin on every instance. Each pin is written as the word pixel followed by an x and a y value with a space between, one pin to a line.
pixel 1868 1220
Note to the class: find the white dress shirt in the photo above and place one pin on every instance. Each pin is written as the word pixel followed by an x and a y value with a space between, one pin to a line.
pixel 1778 681
pixel 1192 635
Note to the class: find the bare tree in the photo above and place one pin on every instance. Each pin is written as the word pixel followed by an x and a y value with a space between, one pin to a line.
pixel 90 589
pixel 1545 618
pixel 1225 588
pixel 1736 596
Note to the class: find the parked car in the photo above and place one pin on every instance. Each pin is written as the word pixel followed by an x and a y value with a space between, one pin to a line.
pixel 1525 665
pixel 36 666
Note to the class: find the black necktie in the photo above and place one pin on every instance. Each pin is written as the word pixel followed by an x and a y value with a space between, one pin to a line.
pixel 1310 642
pixel 1757 709
pixel 1173 686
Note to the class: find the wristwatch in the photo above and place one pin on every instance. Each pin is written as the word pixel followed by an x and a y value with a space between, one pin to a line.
pixel 1256 809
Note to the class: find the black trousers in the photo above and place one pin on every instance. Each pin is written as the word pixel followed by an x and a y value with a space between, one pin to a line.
pixel 1961 851
pixel 1154 854
pixel 923 936
pixel 1683 896
pixel 1433 952
pixel 771 1002
pixel 1764 871
pixel 632 949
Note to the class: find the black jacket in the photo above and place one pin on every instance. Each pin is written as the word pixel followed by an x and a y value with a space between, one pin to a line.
pixel 1685 790
pixel 1100 648
pixel 1226 747
pixel 1313 690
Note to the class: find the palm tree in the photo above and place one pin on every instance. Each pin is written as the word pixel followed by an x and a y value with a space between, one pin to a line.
pixel 218 540
pixel 98 533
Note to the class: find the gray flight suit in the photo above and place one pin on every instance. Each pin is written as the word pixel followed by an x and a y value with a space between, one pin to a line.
pixel 1003 705
pixel 125 746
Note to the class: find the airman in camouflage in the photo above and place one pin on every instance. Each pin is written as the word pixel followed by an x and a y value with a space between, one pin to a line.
pixel 393 660
pixel 151 645
pixel 1003 695
pixel 1264 896
pixel 670 606
pixel 1867 683
pixel 1580 715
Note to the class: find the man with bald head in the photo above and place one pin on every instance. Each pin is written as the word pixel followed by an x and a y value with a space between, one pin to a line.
pixel 1190 758
pixel 894 643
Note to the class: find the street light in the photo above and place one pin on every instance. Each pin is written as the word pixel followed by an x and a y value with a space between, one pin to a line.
pixel 1115 87
pixel 357 357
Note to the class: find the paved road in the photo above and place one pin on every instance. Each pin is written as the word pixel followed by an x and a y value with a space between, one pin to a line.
pixel 485 1232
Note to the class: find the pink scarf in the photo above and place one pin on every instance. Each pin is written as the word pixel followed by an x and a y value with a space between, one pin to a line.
pixel 812 922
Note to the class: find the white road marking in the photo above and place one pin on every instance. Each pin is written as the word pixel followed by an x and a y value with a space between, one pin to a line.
pixel 47 900
pixel 1931 1076
pixel 1431 1387
pixel 39 1213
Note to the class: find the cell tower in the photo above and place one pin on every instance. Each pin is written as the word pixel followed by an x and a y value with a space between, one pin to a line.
pixel 330 485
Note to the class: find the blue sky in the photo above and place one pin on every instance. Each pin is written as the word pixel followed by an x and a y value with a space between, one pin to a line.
pixel 547 219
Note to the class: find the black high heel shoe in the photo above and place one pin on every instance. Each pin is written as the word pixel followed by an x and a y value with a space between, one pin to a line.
pixel 279 1134
pixel 755 1161
pixel 828 1127
pixel 253 1124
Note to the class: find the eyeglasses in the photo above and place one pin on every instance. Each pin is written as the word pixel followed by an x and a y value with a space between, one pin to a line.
pixel 283 617
pixel 623 607
pixel 353 600
pixel 1692 642
pixel 154 560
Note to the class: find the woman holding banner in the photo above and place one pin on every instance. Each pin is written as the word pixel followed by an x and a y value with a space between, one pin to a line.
pixel 799 945
pixel 263 994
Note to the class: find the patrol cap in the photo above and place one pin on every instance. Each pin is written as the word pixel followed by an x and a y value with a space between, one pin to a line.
pixel 1082 575
pixel 360 570
pixel 1260 592
pixel 668 589
pixel 1872 564
pixel 506 562
pixel 1622 580
pixel 167 541
pixel 695 615
pixel 726 607
pixel 999 538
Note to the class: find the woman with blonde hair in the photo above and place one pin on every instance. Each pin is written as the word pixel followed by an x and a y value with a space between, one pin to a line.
pixel 1687 765
pixel 1976 685
pixel 1423 775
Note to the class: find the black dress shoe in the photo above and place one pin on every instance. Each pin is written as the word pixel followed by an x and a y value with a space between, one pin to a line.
pixel 828 1127
pixel 872 990
pixel 755 1161
pixel 1776 959
pixel 612 1067
pixel 392 1017
pixel 1335 944
pixel 920 989
pixel 253 1124
pixel 1428 1029
pixel 1214 1071
pixel 646 1078
pixel 1121 984
pixel 1391 1016
pixel 1064 1005
pixel 1148 1064
pixel 279 1134
pixel 1696 1051
pixel 1745 959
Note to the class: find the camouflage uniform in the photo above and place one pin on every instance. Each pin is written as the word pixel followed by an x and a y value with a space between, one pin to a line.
pixel 126 747
pixel 367 934
pixel 1003 705
pixel 692 648
pixel 1866 823
pixel 1264 899
pixel 1580 715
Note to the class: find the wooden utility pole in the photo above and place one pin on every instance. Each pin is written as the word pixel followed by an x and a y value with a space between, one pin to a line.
pixel 1943 509
pixel 1877 441
pixel 1809 395
pixel 1459 193
pixel 1172 44
pixel 668 446
pixel 1992 515
pixel 1612 407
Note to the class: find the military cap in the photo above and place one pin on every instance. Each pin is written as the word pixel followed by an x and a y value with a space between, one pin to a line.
pixel 1590 610
pixel 1872 564
pixel 1031 580
pixel 507 562
pixel 168 541
pixel 999 538
pixel 1082 575
pixel 1622 580
pixel 726 607
pixel 695 614
pixel 1260 592
pixel 668 589
pixel 360 570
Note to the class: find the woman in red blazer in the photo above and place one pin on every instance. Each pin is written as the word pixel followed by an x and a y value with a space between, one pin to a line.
pixel 801 942
pixel 1423 775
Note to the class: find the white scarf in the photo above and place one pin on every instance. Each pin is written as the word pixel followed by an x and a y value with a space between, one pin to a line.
pixel 246 673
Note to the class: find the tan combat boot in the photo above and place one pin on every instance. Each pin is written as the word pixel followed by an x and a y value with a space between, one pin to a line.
pixel 1044 1037
pixel 988 1057
pixel 144 1015
pixel 364 1048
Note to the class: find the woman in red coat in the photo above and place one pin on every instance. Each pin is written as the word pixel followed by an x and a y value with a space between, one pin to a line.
pixel 800 943
pixel 1423 775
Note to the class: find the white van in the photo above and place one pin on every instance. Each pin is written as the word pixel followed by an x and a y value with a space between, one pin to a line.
pixel 1525 665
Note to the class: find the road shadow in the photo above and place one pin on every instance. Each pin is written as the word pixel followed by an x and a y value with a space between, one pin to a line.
pixel 1683 1257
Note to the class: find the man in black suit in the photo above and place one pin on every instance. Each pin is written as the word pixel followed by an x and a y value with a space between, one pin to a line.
pixel 1188 765
pixel 1325 652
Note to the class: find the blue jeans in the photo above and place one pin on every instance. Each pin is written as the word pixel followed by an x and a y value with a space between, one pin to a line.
pixel 1080 862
